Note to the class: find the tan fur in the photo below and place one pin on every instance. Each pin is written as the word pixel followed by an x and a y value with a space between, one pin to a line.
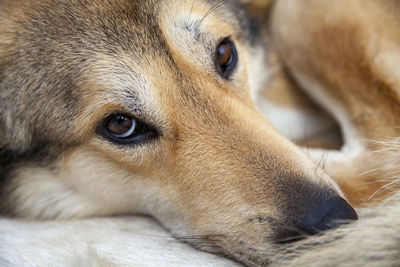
pixel 310 125
pixel 347 55
pixel 218 175
pixel 219 172
pixel 372 241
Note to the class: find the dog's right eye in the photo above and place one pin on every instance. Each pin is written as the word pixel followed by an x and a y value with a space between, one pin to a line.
pixel 124 129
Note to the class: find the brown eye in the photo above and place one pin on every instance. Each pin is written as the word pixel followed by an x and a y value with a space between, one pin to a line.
pixel 224 54
pixel 121 126
pixel 225 58
pixel 123 129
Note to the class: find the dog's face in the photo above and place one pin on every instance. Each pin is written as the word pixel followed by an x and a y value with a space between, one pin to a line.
pixel 115 107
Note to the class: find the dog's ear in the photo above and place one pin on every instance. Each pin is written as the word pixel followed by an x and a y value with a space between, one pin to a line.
pixel 258 8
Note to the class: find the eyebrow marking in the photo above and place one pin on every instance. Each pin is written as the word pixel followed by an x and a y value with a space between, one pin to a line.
pixel 193 27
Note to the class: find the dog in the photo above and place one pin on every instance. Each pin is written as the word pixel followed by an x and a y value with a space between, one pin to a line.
pixel 118 107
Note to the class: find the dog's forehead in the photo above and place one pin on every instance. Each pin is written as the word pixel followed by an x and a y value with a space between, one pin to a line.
pixel 157 42
pixel 137 27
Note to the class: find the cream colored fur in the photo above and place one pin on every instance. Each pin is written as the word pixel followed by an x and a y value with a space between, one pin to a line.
pixel 136 241
pixel 130 241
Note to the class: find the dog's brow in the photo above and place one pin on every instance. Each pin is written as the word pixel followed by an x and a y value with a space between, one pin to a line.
pixel 125 86
pixel 133 102
pixel 132 85
pixel 200 36
pixel 193 27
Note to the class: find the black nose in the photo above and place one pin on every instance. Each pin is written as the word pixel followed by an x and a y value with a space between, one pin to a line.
pixel 329 214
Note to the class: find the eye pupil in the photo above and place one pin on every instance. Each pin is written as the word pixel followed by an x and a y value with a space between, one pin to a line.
pixel 224 54
pixel 120 125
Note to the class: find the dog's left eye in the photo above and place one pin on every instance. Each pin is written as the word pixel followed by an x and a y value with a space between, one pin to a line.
pixel 124 129
pixel 225 58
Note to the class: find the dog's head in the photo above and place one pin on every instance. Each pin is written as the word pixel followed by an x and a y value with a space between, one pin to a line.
pixel 115 107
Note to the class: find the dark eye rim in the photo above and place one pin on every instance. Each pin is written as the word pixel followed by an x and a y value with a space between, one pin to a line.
pixel 227 70
pixel 143 133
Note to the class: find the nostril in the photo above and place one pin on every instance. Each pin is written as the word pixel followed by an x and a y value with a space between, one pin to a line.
pixel 334 212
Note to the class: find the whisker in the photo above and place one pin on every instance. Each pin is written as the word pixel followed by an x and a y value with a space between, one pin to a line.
pixel 382 188
pixel 209 12
pixel 321 159
pixel 369 172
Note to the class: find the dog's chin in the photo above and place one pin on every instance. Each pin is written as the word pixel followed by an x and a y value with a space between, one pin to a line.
pixel 253 248
pixel 236 249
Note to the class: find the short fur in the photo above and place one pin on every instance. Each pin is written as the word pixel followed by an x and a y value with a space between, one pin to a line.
pixel 352 76
pixel 216 174
pixel 216 179
pixel 344 55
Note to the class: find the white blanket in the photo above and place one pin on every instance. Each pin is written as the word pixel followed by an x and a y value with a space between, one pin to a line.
pixel 128 241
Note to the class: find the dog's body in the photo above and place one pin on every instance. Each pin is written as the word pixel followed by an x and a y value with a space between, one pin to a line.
pixel 347 62
pixel 204 161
